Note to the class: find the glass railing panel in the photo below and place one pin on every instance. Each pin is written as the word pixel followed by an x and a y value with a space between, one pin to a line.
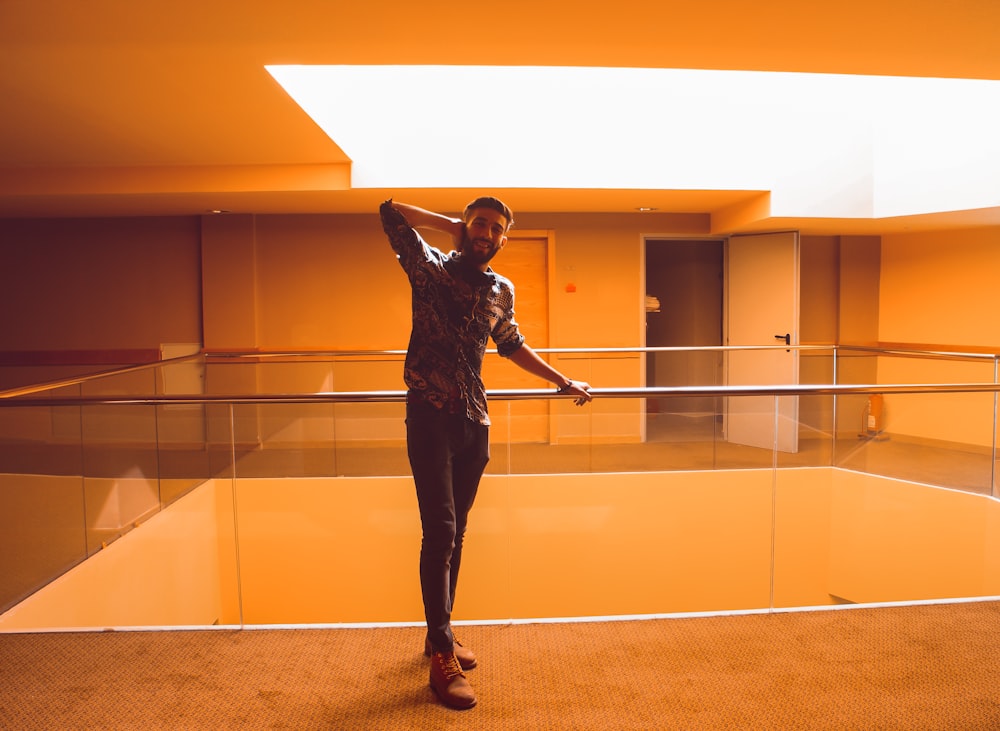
pixel 120 468
pixel 903 519
pixel 190 449
pixel 929 368
pixel 321 439
pixel 284 440
pixel 326 532
pixel 656 476
pixel 120 456
pixel 543 436
pixel 303 374
pixel 622 533
pixel 42 515
pixel 224 376
pixel 220 440
pixel 995 481
pixel 367 373
pixel 674 367
pixel 370 439
pixel 684 432
pixel 181 377
pixel 816 413
pixel 657 434
pixel 814 448
pixel 188 453
pixel 17 377
pixel 747 433
pixel 145 566
pixel 943 439
pixel 818 365
pixel 618 438
pixel 136 382
pixel 846 537
pixel 216 506
pixel 946 432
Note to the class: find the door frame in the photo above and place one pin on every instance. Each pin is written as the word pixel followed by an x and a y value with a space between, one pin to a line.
pixel 644 240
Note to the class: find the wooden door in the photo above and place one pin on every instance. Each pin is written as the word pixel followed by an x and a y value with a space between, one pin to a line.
pixel 524 261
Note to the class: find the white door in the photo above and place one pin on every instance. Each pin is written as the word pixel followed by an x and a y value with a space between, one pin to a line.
pixel 762 308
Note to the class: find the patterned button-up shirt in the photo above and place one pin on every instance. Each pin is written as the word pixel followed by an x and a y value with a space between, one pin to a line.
pixel 456 308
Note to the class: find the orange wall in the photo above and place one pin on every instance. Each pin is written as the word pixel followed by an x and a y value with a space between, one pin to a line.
pixel 941 287
pixel 72 284
pixel 601 254
pixel 320 281
pixel 819 282
pixel 323 282
pixel 330 281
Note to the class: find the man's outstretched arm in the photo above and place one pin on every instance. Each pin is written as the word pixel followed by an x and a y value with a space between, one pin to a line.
pixel 530 361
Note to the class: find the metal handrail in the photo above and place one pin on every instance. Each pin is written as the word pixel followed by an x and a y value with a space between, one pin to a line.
pixel 493 351
pixel 327 397
pixel 86 377
pixel 933 354
pixel 17 394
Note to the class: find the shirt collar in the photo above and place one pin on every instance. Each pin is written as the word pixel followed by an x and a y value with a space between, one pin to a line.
pixel 471 274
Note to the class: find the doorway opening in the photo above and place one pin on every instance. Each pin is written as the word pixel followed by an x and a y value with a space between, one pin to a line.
pixel 684 308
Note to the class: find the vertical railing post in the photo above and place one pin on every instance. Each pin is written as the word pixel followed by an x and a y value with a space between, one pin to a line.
pixel 993 447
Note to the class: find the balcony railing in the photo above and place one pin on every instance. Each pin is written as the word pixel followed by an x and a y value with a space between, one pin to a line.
pixel 246 482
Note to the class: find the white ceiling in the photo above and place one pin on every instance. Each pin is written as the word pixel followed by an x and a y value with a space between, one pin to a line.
pixel 115 107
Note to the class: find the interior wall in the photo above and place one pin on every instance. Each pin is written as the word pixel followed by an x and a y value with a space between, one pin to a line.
pixel 940 287
pixel 938 290
pixel 99 284
pixel 330 282
pixel 819 297
pixel 323 282
pixel 600 255
pixel 315 282
pixel 320 282
pixel 819 279
pixel 859 269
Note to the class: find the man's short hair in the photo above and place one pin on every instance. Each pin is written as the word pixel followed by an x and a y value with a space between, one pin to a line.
pixel 492 203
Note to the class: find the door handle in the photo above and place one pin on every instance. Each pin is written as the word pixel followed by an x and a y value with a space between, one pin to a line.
pixel 787 337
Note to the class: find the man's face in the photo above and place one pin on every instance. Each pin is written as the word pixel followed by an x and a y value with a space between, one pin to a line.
pixel 485 235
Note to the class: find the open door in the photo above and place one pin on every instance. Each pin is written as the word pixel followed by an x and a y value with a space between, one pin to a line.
pixel 762 308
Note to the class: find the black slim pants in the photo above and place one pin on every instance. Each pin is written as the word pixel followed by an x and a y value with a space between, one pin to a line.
pixel 448 453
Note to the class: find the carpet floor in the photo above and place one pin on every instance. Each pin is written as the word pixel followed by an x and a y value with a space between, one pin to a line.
pixel 914 667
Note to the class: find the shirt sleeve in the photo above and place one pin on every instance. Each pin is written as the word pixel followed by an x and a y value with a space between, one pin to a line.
pixel 403 239
pixel 507 335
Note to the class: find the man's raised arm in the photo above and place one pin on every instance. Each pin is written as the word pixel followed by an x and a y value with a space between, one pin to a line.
pixel 422 218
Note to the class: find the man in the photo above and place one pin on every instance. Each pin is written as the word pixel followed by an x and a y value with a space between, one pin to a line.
pixel 458 304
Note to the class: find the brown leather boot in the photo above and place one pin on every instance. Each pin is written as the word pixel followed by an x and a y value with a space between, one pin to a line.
pixel 448 681
pixel 466 657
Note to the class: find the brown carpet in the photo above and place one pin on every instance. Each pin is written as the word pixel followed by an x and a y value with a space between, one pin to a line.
pixel 921 667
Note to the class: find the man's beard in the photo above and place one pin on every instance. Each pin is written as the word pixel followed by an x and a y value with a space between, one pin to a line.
pixel 475 255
